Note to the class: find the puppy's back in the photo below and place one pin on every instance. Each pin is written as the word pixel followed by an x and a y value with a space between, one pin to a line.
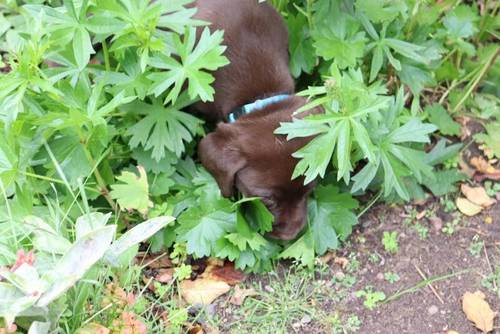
pixel 257 47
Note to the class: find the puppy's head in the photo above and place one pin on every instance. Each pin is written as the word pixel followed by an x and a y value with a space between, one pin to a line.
pixel 249 157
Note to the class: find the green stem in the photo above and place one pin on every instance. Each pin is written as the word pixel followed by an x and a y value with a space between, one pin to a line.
pixel 476 81
pixel 103 188
pixel 50 179
pixel 372 202
pixel 106 55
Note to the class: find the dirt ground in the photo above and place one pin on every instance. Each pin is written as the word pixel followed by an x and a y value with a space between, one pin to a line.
pixel 420 256
pixel 438 255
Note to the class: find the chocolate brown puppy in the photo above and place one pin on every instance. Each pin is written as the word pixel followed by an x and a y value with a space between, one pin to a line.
pixel 244 153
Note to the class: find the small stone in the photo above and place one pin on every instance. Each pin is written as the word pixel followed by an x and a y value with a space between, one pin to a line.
pixel 442 312
pixel 433 310
pixel 380 276
pixel 296 325
pixel 339 275
pixel 437 223
pixel 306 319
pixel 269 289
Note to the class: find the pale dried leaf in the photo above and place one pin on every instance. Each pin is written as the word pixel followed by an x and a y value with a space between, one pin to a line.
pixel 477 195
pixel 202 290
pixel 240 294
pixel 467 207
pixel 165 275
pixel 478 311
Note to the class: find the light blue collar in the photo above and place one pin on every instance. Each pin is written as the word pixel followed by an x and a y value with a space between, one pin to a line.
pixel 257 105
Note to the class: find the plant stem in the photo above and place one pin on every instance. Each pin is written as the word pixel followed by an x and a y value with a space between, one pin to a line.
pixel 106 55
pixel 476 81
pixel 372 202
pixel 103 188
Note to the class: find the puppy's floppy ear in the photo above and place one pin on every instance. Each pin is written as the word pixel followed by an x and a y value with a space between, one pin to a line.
pixel 221 158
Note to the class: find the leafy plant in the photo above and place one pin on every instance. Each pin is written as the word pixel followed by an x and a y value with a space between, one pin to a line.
pixel 391 277
pixel 371 297
pixel 93 118
pixel 390 242
pixel 32 290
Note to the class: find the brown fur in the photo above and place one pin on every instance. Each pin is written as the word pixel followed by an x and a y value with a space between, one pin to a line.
pixel 247 154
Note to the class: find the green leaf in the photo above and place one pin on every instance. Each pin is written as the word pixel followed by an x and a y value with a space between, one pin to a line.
pixel 163 129
pixel 201 229
pixel 301 250
pixel 491 139
pixel 300 45
pixel 443 182
pixel 382 10
pixel 244 238
pixel 82 47
pixel 192 66
pixel 461 21
pixel 440 117
pixel 413 131
pixel 258 216
pixel 440 152
pixel 133 192
pixel 337 34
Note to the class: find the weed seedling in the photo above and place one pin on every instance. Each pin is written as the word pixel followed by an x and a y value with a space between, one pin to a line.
pixel 372 298
pixel 423 231
pixel 492 282
pixel 475 246
pixel 391 277
pixel 390 242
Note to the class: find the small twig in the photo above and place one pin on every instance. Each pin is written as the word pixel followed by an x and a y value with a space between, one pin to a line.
pixel 430 284
pixel 489 265
pixel 372 202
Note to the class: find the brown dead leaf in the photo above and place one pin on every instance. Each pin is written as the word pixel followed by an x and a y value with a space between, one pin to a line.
pixel 226 273
pixel 478 311
pixel 467 207
pixel 240 294
pixel 452 332
pixel 484 168
pixel 342 261
pixel 196 329
pixel 326 258
pixel 165 275
pixel 202 290
pixel 421 214
pixel 477 195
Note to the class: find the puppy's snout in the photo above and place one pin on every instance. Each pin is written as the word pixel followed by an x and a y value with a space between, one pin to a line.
pixel 289 221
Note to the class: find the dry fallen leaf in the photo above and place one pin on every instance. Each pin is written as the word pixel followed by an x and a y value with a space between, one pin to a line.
pixel 467 207
pixel 485 168
pixel 342 261
pixel 226 273
pixel 421 214
pixel 478 311
pixel 326 258
pixel 240 294
pixel 452 332
pixel 477 195
pixel 202 290
pixel 165 275
pixel 196 329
